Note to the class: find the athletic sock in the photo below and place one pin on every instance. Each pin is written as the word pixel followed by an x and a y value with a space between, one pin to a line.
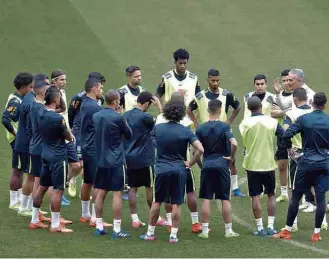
pixel 317 230
pixel 205 228
pixel 169 220
pixel 270 222
pixel 173 232
pixel 228 228
pixel 259 224
pixel 135 218
pixel 93 212
pixel 117 225
pixel 85 209
pixel 150 230
pixel 55 219
pixel 195 217
pixel 288 228
pixel 234 182
pixel 35 215
pixel 13 197
pixel 23 205
pixel 284 190
pixel 19 194
pixel 73 180
pixel 30 203
pixel 99 224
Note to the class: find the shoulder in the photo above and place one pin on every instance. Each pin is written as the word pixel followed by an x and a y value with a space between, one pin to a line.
pixel 270 97
pixel 247 96
pixel 199 95
pixel 168 75
pixel 123 90
pixel 226 92
pixel 192 75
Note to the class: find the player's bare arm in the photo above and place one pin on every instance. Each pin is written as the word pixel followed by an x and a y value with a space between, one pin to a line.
pixel 198 152
pixel 190 113
pixel 234 113
pixel 62 107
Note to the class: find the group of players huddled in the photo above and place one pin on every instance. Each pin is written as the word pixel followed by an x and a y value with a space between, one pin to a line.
pixel 117 146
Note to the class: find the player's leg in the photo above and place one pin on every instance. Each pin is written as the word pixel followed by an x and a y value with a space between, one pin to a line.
pixel 72 182
pixel 268 180
pixel 15 181
pixel 134 179
pixel 192 202
pixel 206 193
pixel 310 200
pixel 234 181
pixel 281 156
pixel 88 179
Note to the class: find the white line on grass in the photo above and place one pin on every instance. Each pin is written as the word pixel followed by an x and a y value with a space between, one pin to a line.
pixel 291 242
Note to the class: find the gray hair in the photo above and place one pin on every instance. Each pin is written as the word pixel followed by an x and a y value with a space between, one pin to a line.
pixel 299 73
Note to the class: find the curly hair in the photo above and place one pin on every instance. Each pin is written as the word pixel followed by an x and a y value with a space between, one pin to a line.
pixel 181 54
pixel 174 110
pixel 23 79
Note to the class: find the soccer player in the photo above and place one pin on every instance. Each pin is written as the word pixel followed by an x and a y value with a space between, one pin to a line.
pixel 312 166
pixel 172 140
pixel 179 79
pixel 214 136
pixel 89 106
pixel 41 78
pixel 75 125
pixel 140 152
pixel 54 132
pixel 200 104
pixel 10 117
pixel 258 133
pixel 110 127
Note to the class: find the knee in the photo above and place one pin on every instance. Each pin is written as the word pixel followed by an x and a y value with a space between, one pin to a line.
pixel 76 167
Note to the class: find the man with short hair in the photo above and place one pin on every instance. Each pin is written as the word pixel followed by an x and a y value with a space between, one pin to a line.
pixel 214 136
pixel 258 135
pixel 312 165
pixel 10 118
pixel 110 127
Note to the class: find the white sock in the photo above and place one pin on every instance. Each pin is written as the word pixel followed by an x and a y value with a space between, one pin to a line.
pixel 13 197
pixel 24 201
pixel 259 224
pixel 55 219
pixel 295 222
pixel 173 232
pixel 317 230
pixel 324 221
pixel 169 220
pixel 85 209
pixel 284 190
pixel 228 228
pixel 288 228
pixel 35 215
pixel 234 182
pixel 99 224
pixel 73 180
pixel 93 212
pixel 135 218
pixel 30 203
pixel 195 217
pixel 117 225
pixel 270 222
pixel 205 228
pixel 19 194
pixel 150 230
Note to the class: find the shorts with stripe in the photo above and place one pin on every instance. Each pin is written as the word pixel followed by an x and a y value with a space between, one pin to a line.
pixel 53 174
pixel 36 165
pixel 190 181
pixel 89 168
pixel 110 179
pixel 141 177
pixel 22 161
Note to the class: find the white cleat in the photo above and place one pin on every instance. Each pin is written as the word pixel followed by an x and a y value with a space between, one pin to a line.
pixel 324 226
pixel 304 205
pixel 310 209
pixel 282 198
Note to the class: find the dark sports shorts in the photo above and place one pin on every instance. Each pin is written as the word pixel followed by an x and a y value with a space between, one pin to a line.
pixel 281 152
pixel 21 161
pixel 259 182
pixel 54 174
pixel 169 187
pixel 215 182
pixel 190 181
pixel 110 179
pixel 141 177
pixel 72 154
pixel 89 168
pixel 36 165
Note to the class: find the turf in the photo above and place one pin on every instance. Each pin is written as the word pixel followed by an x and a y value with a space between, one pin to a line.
pixel 241 38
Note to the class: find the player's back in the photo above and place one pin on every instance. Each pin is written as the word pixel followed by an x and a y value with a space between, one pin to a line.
pixel 52 127
pixel 74 112
pixel 36 140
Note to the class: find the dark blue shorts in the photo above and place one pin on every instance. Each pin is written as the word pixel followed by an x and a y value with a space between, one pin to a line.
pixel 89 168
pixel 259 182
pixel 281 151
pixel 169 187
pixel 141 177
pixel 36 165
pixel 110 179
pixel 54 174
pixel 190 181
pixel 215 182
pixel 72 153
pixel 22 161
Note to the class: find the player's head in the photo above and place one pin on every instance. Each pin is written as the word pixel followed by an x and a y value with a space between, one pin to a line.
pixel 260 83
pixel 134 75
pixel 53 97
pixel 40 88
pixel 97 76
pixel 299 96
pixel 181 57
pixel 94 88
pixel 23 82
pixel 254 104
pixel 213 79
pixel 319 101
pixel 177 96
pixel 174 110
pixel 58 78
pixel 144 100
pixel 296 78
pixel 112 99
pixel 284 79
pixel 41 77
pixel 214 108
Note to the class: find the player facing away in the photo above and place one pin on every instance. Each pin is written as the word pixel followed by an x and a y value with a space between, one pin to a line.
pixel 54 132
pixel 200 105
pixel 75 124
pixel 179 79
pixel 140 152
pixel 10 117
pixel 258 135
pixel 110 127
pixel 172 140
pixel 215 136
pixel 312 165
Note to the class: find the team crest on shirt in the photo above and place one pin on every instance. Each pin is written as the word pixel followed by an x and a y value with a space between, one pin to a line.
pixel 63 122
pixel 11 109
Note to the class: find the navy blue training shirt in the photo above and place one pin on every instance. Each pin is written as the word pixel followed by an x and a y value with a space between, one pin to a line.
pixel 172 140
pixel 88 108
pixel 23 136
pixel 215 136
pixel 53 128
pixel 139 150
pixel 110 127
pixel 36 140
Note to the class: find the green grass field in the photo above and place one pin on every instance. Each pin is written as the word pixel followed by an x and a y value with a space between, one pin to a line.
pixel 240 38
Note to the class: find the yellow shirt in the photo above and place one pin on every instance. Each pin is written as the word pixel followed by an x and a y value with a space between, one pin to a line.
pixel 10 136
pixel 130 99
pixel 267 104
